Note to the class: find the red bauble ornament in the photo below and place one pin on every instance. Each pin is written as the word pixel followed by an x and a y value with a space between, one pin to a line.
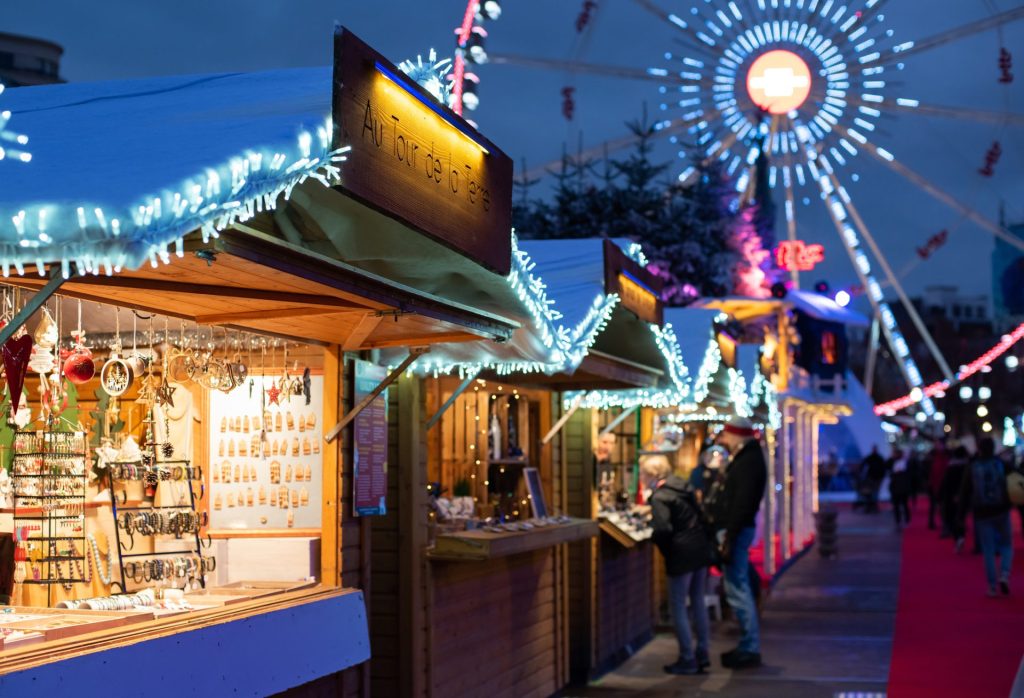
pixel 79 367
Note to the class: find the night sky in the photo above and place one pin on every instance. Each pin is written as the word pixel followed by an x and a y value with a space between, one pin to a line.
pixel 521 107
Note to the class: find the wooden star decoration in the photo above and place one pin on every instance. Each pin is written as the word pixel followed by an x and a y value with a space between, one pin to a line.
pixel 165 395
pixel 273 394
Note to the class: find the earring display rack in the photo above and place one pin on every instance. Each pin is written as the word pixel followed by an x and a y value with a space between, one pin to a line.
pixel 49 484
pixel 187 563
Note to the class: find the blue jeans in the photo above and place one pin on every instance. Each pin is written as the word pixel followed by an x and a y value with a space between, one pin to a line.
pixel 995 538
pixel 692 585
pixel 738 594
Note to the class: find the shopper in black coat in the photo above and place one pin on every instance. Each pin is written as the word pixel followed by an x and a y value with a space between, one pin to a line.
pixel 734 520
pixel 679 533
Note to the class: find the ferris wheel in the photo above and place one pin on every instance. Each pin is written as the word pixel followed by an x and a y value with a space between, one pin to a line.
pixel 805 83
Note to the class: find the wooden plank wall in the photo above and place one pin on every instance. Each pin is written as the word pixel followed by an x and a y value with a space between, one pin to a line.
pixel 494 627
pixel 625 614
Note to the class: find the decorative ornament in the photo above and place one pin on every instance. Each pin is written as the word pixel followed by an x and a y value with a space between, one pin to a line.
pixel 167 449
pixel 148 391
pixel 16 353
pixel 430 75
pixel 116 376
pixel 46 334
pixel 165 394
pixel 273 394
pixel 79 366
pixel 306 383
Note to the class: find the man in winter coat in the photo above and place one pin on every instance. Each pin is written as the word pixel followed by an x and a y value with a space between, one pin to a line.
pixel 983 492
pixel 678 531
pixel 734 519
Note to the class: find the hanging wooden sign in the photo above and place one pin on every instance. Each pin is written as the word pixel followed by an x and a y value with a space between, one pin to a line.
pixel 417 161
pixel 639 290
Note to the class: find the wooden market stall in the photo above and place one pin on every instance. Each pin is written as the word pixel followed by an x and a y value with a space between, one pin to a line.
pixel 231 259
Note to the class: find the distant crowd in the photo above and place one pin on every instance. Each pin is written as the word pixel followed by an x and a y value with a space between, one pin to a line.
pixel 964 484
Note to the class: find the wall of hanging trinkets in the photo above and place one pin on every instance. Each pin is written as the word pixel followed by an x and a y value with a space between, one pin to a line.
pixel 136 396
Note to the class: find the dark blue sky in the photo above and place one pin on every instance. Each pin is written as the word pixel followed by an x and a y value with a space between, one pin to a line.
pixel 521 108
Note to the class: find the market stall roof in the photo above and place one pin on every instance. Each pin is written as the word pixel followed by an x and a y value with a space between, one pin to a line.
pixel 814 304
pixel 137 171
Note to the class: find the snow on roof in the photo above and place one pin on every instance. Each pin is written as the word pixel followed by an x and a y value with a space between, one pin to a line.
pixel 824 308
pixel 122 169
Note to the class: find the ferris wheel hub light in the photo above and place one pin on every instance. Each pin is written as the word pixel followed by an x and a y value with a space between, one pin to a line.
pixel 779 82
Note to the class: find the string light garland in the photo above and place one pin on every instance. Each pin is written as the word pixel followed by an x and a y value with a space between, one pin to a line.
pixel 1005 343
pixel 431 76
pixel 18 141
pixel 97 240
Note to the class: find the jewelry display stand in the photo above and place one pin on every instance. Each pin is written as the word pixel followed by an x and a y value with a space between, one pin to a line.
pixel 48 478
pixel 151 471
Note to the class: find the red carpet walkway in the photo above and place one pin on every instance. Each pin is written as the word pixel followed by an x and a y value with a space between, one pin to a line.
pixel 951 640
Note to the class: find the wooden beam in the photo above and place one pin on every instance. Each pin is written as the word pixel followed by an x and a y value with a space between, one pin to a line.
pixel 161 285
pixel 33 304
pixel 451 400
pixel 563 419
pixel 268 314
pixel 414 353
pixel 425 339
pixel 364 328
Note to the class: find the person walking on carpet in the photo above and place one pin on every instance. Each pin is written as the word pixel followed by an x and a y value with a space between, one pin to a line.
pixel 984 491
pixel 678 531
pixel 900 485
pixel 733 516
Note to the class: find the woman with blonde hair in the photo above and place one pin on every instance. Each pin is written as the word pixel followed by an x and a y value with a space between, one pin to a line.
pixel 680 536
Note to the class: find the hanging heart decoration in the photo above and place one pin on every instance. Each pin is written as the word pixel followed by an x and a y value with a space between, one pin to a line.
pixel 16 352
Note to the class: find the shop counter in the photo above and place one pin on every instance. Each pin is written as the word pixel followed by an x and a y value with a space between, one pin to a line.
pixel 497 613
pixel 486 545
pixel 254 651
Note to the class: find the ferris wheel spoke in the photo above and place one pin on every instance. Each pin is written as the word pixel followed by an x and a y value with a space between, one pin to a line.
pixel 611 71
pixel 888 160
pixel 611 146
pixel 894 281
pixel 910 48
pixel 904 106
pixel 694 41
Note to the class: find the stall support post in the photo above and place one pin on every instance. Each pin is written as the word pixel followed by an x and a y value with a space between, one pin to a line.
pixel 619 420
pixel 787 471
pixel 816 456
pixel 769 504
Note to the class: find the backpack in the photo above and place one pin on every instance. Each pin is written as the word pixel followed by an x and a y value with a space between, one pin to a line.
pixel 989 484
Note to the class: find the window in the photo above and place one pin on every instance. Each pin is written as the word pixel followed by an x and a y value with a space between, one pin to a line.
pixel 828 348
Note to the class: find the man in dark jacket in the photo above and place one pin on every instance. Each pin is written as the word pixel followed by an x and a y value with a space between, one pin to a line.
pixel 678 531
pixel 735 521
pixel 983 493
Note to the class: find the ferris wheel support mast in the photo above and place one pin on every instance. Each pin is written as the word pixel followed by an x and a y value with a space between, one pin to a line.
pixel 915 317
pixel 889 161
pixel 838 213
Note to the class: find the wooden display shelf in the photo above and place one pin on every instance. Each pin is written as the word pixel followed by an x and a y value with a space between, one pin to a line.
pixel 486 545
pixel 617 534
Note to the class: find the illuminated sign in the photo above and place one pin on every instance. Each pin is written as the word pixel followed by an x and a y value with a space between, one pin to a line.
pixel 417 161
pixel 795 255
pixel 639 290
pixel 779 82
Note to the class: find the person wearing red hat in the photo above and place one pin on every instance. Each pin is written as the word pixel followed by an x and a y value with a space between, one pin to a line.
pixel 735 521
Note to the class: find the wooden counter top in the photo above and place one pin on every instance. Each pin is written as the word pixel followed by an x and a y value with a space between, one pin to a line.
pixel 486 545
pixel 620 536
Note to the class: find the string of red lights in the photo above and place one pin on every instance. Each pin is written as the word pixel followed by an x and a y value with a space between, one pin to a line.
pixel 1005 344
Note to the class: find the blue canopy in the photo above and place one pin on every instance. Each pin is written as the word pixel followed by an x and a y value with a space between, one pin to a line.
pixel 122 170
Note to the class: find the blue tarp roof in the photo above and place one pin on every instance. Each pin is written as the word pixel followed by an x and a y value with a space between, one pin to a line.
pixel 161 156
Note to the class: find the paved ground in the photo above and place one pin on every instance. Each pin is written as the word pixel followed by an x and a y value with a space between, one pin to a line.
pixel 826 630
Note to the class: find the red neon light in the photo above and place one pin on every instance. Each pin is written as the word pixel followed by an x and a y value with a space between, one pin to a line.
pixel 1004 345
pixel 795 255
pixel 459 71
